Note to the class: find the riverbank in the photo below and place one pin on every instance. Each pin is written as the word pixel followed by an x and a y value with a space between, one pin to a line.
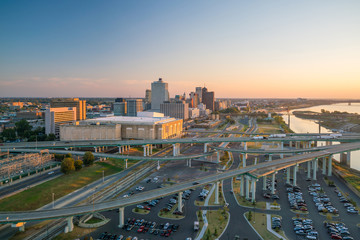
pixel 336 120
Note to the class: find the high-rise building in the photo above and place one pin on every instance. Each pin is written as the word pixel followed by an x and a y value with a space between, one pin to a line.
pixel 178 109
pixel 198 91
pixel 54 117
pixel 71 102
pixel 194 100
pixel 148 96
pixel 208 98
pixel 159 94
pixel 134 106
pixel 120 107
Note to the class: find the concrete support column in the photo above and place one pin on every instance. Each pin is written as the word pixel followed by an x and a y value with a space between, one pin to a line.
pixel 180 202
pixel 247 187
pixel 290 144
pixel 330 166
pixel 245 146
pixel 174 150
pixel 119 149
pixel 217 156
pixel 282 148
pixel 253 189
pixel 270 157
pixel 189 162
pixel 178 149
pixel 288 175
pixel 242 185
pixel 324 165
pixel 244 159
pixel 148 150
pixel 158 166
pixel 294 175
pixel 273 184
pixel 217 193
pixel 205 147
pixel 314 168
pixel 348 158
pixel 70 224
pixel 308 169
pixel 264 182
pixel 22 228
pixel 121 217
pixel 151 148
pixel 126 163
pixel 95 148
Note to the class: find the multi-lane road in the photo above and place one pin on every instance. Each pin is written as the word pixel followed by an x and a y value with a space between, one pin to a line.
pixel 139 198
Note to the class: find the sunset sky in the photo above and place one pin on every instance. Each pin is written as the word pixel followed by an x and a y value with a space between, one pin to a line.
pixel 245 49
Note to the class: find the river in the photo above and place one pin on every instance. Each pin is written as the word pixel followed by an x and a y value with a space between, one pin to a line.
pixel 300 125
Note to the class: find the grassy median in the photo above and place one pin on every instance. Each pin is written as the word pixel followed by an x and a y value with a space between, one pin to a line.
pixel 41 195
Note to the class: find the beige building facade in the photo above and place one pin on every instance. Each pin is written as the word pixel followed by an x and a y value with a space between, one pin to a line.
pixel 123 128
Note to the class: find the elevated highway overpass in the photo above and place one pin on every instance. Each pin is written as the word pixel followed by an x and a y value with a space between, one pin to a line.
pixel 21 216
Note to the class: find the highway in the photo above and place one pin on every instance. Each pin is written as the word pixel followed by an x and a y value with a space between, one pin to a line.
pixel 7 217
pixel 118 156
pixel 27 182
pixel 95 143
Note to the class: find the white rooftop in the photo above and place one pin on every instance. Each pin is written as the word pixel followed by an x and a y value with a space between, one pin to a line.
pixel 132 120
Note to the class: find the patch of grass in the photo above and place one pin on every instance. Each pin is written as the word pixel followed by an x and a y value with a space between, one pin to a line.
pixel 258 221
pixel 140 211
pixel 94 220
pixel 41 195
pixel 76 233
pixel 349 175
pixel 217 220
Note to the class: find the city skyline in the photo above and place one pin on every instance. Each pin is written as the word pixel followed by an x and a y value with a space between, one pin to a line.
pixel 238 49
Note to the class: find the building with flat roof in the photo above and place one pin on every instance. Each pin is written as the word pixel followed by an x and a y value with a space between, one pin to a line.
pixel 54 117
pixel 208 98
pixel 134 106
pixel 80 106
pixel 178 109
pixel 120 107
pixel 128 128
pixel 159 94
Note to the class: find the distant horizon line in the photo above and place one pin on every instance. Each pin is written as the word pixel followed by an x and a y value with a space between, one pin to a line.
pixel 284 98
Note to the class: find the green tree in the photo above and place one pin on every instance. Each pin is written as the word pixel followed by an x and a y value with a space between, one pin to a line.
pixel 50 137
pixel 59 157
pixel 22 127
pixel 78 164
pixel 88 158
pixel 67 165
pixel 9 134
pixel 68 155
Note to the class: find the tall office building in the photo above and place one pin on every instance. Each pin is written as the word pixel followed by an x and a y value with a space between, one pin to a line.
pixel 198 91
pixel 54 117
pixel 71 102
pixel 194 100
pixel 148 96
pixel 159 94
pixel 120 107
pixel 208 98
pixel 134 106
pixel 178 109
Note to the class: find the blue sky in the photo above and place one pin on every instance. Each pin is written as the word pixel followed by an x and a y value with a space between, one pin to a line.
pixel 236 48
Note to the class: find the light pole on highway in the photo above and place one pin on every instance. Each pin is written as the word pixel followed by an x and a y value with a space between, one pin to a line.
pixel 53 201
